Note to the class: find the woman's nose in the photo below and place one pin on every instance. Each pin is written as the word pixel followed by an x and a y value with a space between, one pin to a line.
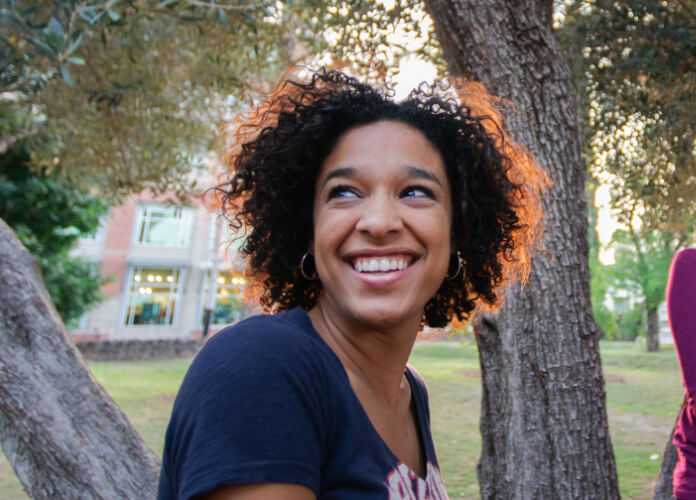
pixel 380 217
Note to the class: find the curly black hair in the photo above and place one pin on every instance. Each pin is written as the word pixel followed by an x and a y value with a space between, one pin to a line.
pixel 278 151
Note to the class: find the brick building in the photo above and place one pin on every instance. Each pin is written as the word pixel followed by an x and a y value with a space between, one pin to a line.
pixel 159 259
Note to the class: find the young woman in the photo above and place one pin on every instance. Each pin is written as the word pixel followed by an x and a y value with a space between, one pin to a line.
pixel 366 219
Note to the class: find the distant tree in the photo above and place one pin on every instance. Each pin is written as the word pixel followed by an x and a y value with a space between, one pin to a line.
pixel 641 266
pixel 49 215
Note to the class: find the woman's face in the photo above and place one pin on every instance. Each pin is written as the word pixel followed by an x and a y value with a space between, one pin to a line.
pixel 382 219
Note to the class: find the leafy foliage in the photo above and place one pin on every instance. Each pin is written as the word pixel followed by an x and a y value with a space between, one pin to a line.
pixel 130 94
pixel 639 274
pixel 642 262
pixel 48 216
pixel 638 65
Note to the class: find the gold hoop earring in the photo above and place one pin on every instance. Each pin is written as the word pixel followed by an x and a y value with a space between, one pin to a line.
pixel 460 265
pixel 302 270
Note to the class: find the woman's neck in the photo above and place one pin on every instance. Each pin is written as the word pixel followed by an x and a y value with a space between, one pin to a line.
pixel 376 356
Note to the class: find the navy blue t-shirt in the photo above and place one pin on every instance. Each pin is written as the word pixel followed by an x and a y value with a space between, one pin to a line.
pixel 267 401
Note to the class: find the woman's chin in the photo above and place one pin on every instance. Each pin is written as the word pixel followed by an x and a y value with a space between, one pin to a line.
pixel 387 318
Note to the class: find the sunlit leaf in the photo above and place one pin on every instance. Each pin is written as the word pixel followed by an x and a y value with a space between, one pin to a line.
pixel 114 15
pixel 65 74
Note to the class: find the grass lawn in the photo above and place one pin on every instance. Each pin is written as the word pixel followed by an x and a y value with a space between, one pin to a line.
pixel 643 390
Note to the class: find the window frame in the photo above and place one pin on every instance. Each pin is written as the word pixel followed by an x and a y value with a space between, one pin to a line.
pixel 125 317
pixel 203 295
pixel 144 219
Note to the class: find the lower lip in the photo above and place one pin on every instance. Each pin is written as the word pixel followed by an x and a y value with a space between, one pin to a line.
pixel 384 279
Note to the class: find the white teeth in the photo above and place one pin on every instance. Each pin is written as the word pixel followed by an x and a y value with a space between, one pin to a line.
pixel 382 264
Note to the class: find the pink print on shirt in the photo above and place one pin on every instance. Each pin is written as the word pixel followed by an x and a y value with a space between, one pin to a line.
pixel 404 484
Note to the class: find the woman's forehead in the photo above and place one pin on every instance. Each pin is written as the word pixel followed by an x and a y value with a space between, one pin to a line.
pixel 384 146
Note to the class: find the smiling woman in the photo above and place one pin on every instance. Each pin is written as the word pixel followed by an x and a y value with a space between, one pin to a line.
pixel 366 220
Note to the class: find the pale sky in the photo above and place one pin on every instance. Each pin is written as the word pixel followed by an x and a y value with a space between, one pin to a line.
pixel 412 71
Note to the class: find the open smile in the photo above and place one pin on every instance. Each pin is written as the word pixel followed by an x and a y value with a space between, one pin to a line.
pixel 382 264
pixel 383 269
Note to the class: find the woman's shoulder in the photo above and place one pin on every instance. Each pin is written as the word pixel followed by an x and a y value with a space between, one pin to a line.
pixel 417 379
pixel 267 344
pixel 286 330
pixel 419 388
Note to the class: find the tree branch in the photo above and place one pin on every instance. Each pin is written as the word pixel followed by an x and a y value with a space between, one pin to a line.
pixel 239 7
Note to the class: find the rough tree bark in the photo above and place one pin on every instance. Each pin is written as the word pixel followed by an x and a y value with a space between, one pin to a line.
pixel 653 331
pixel 663 487
pixel 543 420
pixel 62 434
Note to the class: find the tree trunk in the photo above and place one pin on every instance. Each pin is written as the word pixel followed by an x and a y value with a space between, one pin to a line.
pixel 663 487
pixel 62 434
pixel 543 418
pixel 653 333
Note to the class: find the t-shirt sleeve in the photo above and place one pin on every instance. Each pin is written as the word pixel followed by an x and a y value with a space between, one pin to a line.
pixel 250 410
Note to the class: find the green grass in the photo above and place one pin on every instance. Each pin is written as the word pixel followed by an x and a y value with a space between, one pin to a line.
pixel 643 392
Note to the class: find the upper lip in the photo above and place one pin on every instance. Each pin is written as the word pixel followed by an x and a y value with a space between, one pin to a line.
pixel 380 252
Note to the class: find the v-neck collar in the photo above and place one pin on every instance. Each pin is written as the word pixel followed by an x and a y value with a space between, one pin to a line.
pixel 414 404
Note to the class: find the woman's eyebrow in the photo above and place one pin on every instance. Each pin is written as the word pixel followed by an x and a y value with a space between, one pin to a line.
pixel 421 173
pixel 339 172
pixel 411 170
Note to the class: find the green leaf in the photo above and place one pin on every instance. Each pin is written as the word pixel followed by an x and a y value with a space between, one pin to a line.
pixel 55 28
pixel 43 47
pixel 90 14
pixel 55 39
pixel 76 60
pixel 114 15
pixel 65 74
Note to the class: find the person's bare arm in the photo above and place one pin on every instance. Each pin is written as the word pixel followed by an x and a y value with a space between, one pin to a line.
pixel 261 492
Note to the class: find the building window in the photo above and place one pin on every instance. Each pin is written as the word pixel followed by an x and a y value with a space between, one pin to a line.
pixel 152 296
pixel 229 297
pixel 166 226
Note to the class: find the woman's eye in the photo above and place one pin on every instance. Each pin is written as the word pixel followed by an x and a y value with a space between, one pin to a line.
pixel 417 192
pixel 342 192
